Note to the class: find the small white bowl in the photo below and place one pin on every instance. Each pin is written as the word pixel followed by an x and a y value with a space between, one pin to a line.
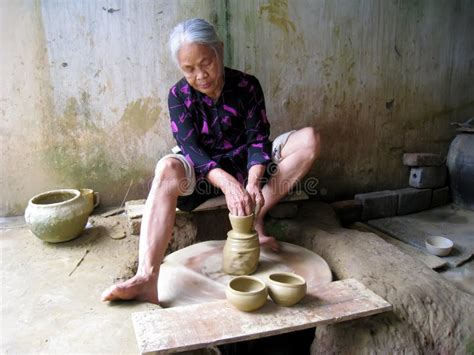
pixel 440 246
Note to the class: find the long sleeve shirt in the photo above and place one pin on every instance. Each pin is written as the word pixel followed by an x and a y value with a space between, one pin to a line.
pixel 231 133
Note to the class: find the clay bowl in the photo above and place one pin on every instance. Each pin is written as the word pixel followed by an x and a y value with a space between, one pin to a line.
pixel 440 246
pixel 246 293
pixel 242 224
pixel 286 289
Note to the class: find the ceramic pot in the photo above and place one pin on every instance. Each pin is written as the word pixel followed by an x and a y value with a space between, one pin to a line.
pixel 246 293
pixel 60 215
pixel 460 162
pixel 242 249
pixel 286 289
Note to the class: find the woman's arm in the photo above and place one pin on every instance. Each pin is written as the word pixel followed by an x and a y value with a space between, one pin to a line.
pixel 258 143
pixel 186 135
pixel 258 127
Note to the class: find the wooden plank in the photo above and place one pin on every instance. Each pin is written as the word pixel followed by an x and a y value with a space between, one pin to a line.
pixel 214 323
pixel 429 260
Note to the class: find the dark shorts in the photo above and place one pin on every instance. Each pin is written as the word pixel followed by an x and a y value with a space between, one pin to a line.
pixel 205 191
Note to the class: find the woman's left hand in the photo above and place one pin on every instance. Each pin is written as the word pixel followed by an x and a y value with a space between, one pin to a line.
pixel 255 193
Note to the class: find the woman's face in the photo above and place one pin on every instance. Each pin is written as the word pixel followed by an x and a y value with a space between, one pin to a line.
pixel 202 67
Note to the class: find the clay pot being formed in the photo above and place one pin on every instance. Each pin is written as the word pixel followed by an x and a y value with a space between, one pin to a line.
pixel 246 293
pixel 241 250
pixel 60 215
pixel 286 289
pixel 242 224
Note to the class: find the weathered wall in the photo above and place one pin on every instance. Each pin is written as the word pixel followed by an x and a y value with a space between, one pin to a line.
pixel 84 85
pixel 83 95
pixel 378 78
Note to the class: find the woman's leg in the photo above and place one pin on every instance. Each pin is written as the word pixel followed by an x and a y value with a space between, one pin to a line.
pixel 297 158
pixel 155 234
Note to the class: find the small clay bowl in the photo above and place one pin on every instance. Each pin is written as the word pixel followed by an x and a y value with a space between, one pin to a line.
pixel 440 246
pixel 242 224
pixel 246 293
pixel 286 289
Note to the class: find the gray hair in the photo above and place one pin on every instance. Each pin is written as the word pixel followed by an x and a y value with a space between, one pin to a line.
pixel 194 30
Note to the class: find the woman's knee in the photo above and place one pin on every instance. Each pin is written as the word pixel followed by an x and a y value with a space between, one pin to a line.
pixel 312 141
pixel 169 168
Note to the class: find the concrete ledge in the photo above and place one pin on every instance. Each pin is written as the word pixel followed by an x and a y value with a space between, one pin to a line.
pixel 440 197
pixel 422 159
pixel 134 210
pixel 378 204
pixel 411 200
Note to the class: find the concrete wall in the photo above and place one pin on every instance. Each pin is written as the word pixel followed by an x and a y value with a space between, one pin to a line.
pixel 84 86
pixel 379 78
pixel 84 95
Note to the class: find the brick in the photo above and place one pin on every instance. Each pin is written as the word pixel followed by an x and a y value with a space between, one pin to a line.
pixel 348 211
pixel 412 200
pixel 440 197
pixel 378 204
pixel 428 177
pixel 422 159
pixel 284 210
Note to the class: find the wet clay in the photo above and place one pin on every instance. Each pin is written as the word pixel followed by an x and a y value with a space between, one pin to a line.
pixel 241 250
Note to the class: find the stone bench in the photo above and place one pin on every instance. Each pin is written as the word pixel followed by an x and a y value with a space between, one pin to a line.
pixel 186 225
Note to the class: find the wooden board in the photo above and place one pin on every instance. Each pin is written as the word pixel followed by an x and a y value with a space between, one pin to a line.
pixel 215 323
pixel 429 260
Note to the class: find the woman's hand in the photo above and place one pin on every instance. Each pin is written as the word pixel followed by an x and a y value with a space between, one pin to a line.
pixel 256 195
pixel 254 186
pixel 239 201
pixel 237 198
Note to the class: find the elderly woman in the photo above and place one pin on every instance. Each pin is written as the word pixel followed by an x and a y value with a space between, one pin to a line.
pixel 219 122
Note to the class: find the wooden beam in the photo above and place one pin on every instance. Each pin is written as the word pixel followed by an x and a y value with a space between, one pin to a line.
pixel 215 323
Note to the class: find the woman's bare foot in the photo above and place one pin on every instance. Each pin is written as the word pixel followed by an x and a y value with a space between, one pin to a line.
pixel 139 288
pixel 269 241
pixel 265 239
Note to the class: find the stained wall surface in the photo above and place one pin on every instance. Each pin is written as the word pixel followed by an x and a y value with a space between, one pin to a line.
pixel 84 86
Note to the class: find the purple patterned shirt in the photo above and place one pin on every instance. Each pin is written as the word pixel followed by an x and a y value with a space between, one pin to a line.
pixel 231 134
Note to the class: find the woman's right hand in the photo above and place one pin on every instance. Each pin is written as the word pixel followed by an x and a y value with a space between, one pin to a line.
pixel 239 201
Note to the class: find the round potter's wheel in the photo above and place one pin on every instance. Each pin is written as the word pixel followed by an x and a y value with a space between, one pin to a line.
pixel 193 274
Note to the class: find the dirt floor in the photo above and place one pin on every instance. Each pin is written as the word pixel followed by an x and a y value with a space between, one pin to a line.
pixel 51 292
